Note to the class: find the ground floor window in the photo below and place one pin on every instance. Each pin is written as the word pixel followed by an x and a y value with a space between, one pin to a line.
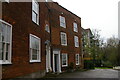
pixel 64 60
pixel 77 59
pixel 34 48
pixel 5 42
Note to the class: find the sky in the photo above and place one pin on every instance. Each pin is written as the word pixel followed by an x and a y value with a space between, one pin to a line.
pixel 95 14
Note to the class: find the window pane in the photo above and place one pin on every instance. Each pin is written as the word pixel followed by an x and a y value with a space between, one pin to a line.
pixel 64 59
pixel 63 38
pixel 0 37
pixel 34 54
pixel 77 58
pixel 62 22
pixel 4 32
pixel 34 17
pixel 1 51
pixel 5 36
pixel 7 50
pixel 34 47
pixel 0 32
pixel 35 7
pixel 47 28
pixel 8 32
pixel 35 43
pixel 75 27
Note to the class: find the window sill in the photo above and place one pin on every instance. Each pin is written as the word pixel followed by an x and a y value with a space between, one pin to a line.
pixel 5 63
pixel 64 44
pixel 63 26
pixel 34 61
pixel 77 64
pixel 35 23
pixel 76 46
pixel 64 65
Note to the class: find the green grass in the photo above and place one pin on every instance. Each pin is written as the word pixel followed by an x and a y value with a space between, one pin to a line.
pixel 103 68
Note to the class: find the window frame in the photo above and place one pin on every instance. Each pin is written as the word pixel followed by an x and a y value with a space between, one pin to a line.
pixel 62 43
pixel 77 56
pixel 30 54
pixel 75 27
pixel 33 11
pixel 62 21
pixel 47 28
pixel 66 55
pixel 9 61
pixel 76 41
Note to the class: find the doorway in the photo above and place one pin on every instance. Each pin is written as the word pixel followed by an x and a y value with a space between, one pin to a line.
pixel 56 61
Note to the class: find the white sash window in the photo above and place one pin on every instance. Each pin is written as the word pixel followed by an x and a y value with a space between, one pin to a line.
pixel 34 48
pixel 5 42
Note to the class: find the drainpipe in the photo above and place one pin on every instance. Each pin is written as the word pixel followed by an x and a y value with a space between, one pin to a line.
pixel 46 3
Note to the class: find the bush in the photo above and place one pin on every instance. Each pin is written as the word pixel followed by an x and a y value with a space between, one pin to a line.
pixel 71 66
pixel 88 64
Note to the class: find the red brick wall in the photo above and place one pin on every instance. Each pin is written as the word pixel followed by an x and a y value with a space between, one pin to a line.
pixel 55 12
pixel 20 16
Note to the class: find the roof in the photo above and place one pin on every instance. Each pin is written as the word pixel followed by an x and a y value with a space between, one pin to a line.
pixel 66 9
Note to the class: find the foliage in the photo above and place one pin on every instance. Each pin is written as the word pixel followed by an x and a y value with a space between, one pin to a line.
pixel 88 64
pixel 71 66
pixel 109 52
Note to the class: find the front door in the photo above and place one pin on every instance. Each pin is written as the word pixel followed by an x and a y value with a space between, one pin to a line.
pixel 56 61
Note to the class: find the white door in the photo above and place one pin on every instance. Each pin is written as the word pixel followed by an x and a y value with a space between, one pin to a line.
pixel 56 61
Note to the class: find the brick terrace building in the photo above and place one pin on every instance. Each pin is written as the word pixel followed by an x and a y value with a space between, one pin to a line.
pixel 38 37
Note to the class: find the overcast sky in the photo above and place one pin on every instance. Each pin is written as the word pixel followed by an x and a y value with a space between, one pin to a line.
pixel 95 14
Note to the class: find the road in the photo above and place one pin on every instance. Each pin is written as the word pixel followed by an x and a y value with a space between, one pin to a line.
pixel 97 73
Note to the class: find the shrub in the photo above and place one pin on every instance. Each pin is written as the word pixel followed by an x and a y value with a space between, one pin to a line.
pixel 88 64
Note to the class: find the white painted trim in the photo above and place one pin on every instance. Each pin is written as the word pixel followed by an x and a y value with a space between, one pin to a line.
pixel 48 58
pixel 35 61
pixel 66 60
pixel 65 38
pixel 38 12
pixel 75 41
pixel 61 21
pixel 39 49
pixel 59 61
pixel 78 59
pixel 74 27
pixel 5 22
pixel 6 62
pixel 9 53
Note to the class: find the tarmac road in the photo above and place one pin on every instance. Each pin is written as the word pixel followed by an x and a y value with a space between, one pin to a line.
pixel 97 73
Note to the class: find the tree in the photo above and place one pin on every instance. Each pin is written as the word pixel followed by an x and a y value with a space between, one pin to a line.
pixel 109 52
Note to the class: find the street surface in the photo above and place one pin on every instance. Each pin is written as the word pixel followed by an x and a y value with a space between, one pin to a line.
pixel 97 73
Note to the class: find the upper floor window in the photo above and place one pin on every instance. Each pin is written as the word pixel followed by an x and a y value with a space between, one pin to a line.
pixel 64 60
pixel 76 41
pixel 5 42
pixel 47 28
pixel 62 22
pixel 63 39
pixel 35 11
pixel 75 27
pixel 34 48
pixel 77 59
